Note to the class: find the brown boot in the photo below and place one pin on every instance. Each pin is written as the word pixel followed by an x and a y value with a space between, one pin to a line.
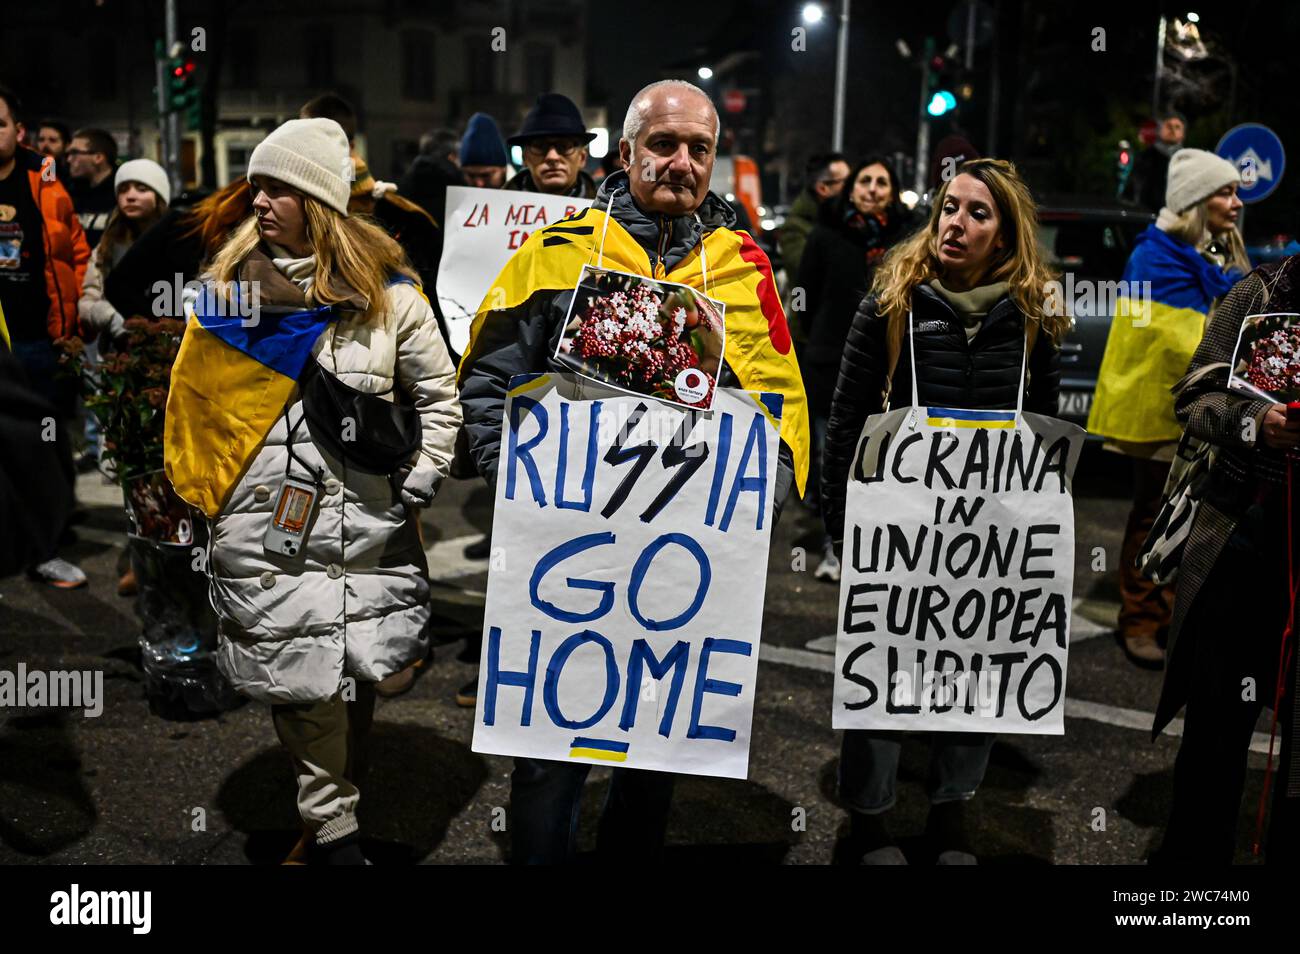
pixel 299 854
pixel 127 585
pixel 1144 650
pixel 398 682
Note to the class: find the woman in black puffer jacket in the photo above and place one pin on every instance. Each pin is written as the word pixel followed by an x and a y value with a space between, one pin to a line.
pixel 855 230
pixel 976 290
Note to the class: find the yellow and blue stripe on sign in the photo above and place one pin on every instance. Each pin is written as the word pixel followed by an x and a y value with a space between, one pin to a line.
pixel 960 417
pixel 603 749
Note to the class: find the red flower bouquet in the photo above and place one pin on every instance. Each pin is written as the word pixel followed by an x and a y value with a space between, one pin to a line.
pixel 641 340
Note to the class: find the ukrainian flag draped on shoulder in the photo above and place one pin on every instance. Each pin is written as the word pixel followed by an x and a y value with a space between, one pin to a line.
pixel 758 346
pixel 1158 323
pixel 231 380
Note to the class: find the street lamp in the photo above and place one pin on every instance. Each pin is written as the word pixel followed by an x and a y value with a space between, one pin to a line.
pixel 1193 17
pixel 705 73
pixel 813 13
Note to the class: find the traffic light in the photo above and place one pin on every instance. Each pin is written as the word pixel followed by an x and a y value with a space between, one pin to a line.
pixel 941 102
pixel 942 99
pixel 184 92
pixel 1123 165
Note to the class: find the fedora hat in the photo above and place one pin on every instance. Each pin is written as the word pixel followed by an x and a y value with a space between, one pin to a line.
pixel 552 115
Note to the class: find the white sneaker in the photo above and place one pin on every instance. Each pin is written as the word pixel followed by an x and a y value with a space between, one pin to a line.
pixel 829 568
pixel 60 573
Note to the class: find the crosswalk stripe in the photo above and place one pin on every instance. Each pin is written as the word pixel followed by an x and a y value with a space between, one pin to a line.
pixel 1074 708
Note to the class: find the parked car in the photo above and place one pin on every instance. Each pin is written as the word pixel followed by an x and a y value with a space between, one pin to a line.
pixel 1089 244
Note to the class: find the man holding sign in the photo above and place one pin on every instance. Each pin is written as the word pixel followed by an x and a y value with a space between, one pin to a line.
pixel 954 511
pixel 657 220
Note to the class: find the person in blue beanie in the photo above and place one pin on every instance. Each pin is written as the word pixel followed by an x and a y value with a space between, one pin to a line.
pixel 483 159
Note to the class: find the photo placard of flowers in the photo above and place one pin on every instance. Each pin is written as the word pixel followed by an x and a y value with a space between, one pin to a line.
pixel 1267 358
pixel 639 335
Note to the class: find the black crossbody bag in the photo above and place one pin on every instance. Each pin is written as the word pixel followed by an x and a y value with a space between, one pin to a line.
pixel 361 429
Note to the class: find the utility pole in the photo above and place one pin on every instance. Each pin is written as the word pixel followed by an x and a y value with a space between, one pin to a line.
pixel 1160 69
pixel 995 83
pixel 923 120
pixel 170 120
pixel 841 77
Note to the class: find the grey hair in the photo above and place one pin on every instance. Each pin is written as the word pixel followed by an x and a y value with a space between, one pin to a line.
pixel 635 117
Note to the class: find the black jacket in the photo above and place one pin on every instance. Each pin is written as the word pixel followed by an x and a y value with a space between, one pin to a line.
pixel 523 339
pixel 835 272
pixel 1150 176
pixel 584 187
pixel 158 255
pixel 421 240
pixel 951 373
pixel 426 182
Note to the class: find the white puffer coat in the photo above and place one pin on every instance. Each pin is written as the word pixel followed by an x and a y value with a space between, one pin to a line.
pixel 354 601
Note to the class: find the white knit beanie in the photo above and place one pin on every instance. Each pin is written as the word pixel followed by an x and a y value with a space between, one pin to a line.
pixel 312 156
pixel 146 172
pixel 1195 175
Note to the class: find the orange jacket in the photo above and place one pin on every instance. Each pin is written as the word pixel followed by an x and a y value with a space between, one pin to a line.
pixel 66 249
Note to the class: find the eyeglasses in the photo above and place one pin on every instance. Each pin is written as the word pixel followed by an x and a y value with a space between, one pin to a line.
pixel 539 148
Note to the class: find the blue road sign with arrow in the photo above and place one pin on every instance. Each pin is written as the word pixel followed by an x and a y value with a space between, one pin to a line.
pixel 1257 151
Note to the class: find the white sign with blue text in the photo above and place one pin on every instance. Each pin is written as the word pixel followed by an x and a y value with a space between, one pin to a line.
pixel 629 561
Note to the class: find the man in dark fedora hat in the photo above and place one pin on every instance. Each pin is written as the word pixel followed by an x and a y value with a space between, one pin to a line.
pixel 554 141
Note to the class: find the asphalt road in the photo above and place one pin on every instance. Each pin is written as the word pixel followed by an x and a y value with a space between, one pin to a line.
pixel 132 787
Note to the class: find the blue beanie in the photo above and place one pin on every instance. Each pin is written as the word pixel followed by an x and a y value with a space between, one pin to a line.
pixel 481 145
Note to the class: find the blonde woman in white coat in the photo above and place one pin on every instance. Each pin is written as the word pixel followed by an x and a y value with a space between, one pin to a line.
pixel 313 636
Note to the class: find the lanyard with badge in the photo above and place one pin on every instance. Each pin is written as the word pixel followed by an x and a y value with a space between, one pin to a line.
pixel 291 516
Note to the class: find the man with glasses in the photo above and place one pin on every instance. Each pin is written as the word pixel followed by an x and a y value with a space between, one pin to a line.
pixel 824 174
pixel 554 143
pixel 92 160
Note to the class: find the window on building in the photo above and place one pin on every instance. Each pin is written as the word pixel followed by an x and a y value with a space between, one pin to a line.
pixel 318 39
pixel 539 68
pixel 482 69
pixel 417 64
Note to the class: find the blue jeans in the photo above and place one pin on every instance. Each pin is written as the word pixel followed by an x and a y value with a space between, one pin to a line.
pixel 869 767
pixel 544 801
pixel 40 363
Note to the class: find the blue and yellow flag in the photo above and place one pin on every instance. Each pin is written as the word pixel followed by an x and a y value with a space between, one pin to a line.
pixel 605 750
pixel 963 417
pixel 1158 322
pixel 758 346
pixel 232 378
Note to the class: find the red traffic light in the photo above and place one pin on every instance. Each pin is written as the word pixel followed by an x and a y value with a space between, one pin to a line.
pixel 189 66
pixel 178 71
pixel 1123 157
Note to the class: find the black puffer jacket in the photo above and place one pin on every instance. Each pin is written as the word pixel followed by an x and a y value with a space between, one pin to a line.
pixel 951 373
